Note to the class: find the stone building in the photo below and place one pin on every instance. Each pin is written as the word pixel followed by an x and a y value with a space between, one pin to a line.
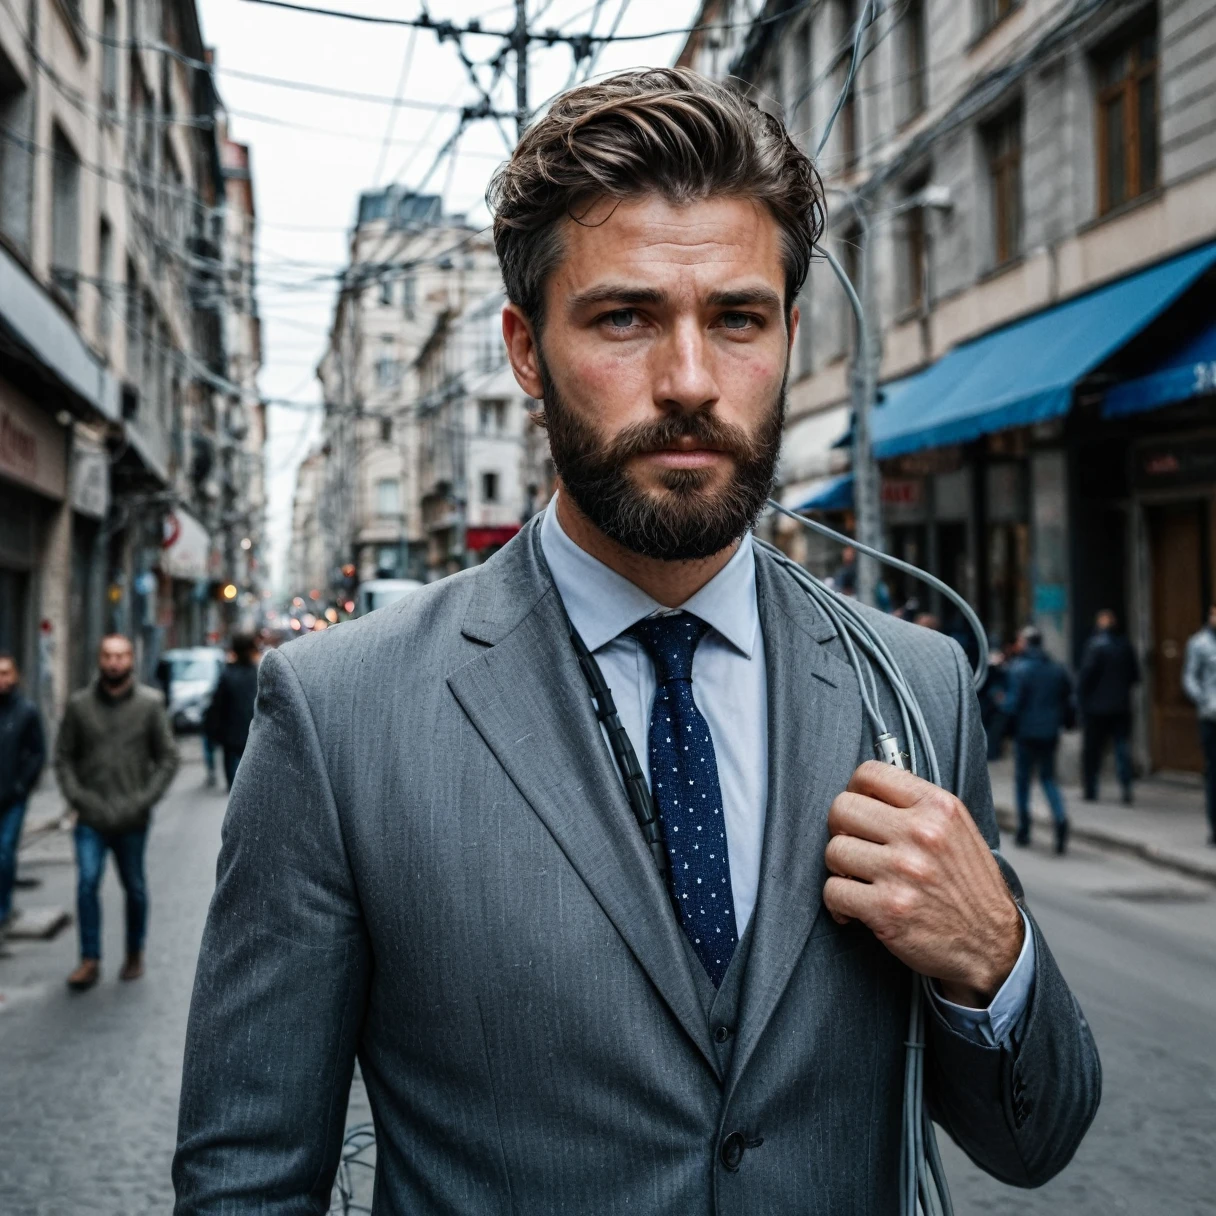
pixel 1028 187
pixel 409 266
pixel 112 345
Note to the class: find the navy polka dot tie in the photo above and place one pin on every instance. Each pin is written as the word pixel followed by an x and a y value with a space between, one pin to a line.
pixel 684 784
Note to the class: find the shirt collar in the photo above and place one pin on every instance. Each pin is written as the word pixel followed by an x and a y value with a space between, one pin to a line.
pixel 602 604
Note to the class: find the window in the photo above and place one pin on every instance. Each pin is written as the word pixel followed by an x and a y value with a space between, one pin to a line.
pixel 388 371
pixel 912 278
pixel 1127 120
pixel 109 60
pixel 65 215
pixel 16 159
pixel 407 295
pixel 912 83
pixel 134 333
pixel 847 118
pixel 388 497
pixel 386 430
pixel 489 487
pixel 386 291
pixel 491 417
pixel 105 275
pixel 1004 142
pixel 989 12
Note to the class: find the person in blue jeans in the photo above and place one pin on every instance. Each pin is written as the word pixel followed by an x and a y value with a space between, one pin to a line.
pixel 1039 704
pixel 22 755
pixel 114 758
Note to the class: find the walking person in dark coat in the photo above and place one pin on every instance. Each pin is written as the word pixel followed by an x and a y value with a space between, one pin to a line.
pixel 1040 705
pixel 1109 671
pixel 22 755
pixel 114 759
pixel 231 710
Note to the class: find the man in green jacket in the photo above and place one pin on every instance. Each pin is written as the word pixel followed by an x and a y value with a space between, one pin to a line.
pixel 114 758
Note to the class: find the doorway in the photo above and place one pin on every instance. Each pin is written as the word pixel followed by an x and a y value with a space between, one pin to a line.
pixel 1181 586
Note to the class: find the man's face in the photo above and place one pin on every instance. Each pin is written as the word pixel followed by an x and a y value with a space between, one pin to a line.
pixel 1106 620
pixel 115 661
pixel 8 676
pixel 662 367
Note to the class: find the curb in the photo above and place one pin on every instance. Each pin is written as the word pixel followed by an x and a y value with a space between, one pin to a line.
pixel 1112 838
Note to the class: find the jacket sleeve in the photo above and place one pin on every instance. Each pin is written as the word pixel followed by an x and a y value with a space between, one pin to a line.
pixel 1087 673
pixel 32 755
pixel 281 983
pixel 1192 672
pixel 213 719
pixel 67 744
pixel 165 758
pixel 1020 1109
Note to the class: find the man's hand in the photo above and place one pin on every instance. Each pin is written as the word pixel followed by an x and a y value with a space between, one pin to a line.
pixel 908 862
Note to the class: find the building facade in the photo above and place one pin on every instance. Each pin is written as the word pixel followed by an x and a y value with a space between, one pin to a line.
pixel 1022 192
pixel 112 344
pixel 410 266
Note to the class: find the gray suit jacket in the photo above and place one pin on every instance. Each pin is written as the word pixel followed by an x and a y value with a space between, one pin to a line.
pixel 429 862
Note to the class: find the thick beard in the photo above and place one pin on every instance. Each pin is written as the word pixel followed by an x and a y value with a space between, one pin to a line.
pixel 690 521
pixel 111 682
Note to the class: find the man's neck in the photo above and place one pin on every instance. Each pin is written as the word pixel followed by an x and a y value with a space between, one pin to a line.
pixel 670 583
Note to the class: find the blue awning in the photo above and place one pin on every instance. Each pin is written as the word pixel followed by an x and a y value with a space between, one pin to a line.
pixel 1188 372
pixel 1025 372
pixel 831 494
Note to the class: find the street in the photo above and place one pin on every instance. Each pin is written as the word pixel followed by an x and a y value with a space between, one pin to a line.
pixel 88 1114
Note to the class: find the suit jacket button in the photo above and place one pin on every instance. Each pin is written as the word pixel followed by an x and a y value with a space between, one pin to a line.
pixel 721 1034
pixel 732 1151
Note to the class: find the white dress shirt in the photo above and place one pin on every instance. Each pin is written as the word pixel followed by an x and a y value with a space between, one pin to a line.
pixel 730 686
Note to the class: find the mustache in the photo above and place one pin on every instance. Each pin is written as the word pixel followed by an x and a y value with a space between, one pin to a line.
pixel 703 427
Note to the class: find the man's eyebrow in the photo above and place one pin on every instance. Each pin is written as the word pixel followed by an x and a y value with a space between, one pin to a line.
pixel 756 297
pixel 616 293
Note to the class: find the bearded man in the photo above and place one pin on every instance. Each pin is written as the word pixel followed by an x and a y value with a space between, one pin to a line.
pixel 430 860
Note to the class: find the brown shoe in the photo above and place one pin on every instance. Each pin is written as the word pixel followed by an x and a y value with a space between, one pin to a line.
pixel 133 968
pixel 85 976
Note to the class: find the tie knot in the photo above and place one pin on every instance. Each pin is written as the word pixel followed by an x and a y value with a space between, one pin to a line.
pixel 670 641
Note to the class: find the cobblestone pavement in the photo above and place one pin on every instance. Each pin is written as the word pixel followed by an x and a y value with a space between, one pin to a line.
pixel 89 1083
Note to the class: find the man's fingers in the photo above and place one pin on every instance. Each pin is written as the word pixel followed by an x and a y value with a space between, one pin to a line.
pixel 886 783
pixel 849 857
pixel 853 814
pixel 848 900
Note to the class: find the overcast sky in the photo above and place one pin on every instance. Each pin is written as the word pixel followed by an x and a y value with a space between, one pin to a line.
pixel 314 152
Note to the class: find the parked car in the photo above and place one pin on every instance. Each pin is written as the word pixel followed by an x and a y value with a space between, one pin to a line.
pixel 189 677
pixel 378 592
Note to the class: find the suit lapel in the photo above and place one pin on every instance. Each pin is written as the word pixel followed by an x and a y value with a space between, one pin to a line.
pixel 529 702
pixel 815 723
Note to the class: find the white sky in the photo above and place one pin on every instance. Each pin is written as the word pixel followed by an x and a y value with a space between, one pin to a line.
pixel 318 152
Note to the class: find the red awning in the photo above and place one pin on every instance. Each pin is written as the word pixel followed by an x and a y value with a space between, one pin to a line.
pixel 483 538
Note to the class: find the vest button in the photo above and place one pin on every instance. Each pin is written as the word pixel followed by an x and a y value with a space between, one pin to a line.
pixel 732 1151
pixel 721 1034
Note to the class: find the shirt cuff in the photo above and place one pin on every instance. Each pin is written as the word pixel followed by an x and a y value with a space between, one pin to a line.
pixel 995 1025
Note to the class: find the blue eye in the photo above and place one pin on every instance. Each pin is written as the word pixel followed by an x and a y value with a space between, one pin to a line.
pixel 736 320
pixel 622 318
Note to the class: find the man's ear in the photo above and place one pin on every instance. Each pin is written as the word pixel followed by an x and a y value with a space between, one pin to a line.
pixel 795 318
pixel 522 350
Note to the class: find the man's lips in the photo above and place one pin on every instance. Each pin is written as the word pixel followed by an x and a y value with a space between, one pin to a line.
pixel 684 457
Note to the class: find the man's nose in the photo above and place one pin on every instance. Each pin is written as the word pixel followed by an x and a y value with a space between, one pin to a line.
pixel 684 379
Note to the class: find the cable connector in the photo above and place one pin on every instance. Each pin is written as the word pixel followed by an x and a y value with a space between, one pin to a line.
pixel 886 748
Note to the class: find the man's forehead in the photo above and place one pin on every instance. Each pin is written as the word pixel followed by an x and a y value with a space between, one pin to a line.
pixel 653 234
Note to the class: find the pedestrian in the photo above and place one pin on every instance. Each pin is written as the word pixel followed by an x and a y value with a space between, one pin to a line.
pixel 1108 673
pixel 22 755
pixel 114 759
pixel 1199 684
pixel 569 996
pixel 230 713
pixel 1040 705
pixel 845 578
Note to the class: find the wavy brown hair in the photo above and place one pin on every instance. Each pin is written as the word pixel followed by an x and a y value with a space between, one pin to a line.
pixel 666 131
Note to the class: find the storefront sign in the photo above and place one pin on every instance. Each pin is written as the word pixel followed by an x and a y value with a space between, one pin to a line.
pixel 484 538
pixel 31 445
pixel 902 492
pixel 90 478
pixel 1183 463
pixel 187 546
